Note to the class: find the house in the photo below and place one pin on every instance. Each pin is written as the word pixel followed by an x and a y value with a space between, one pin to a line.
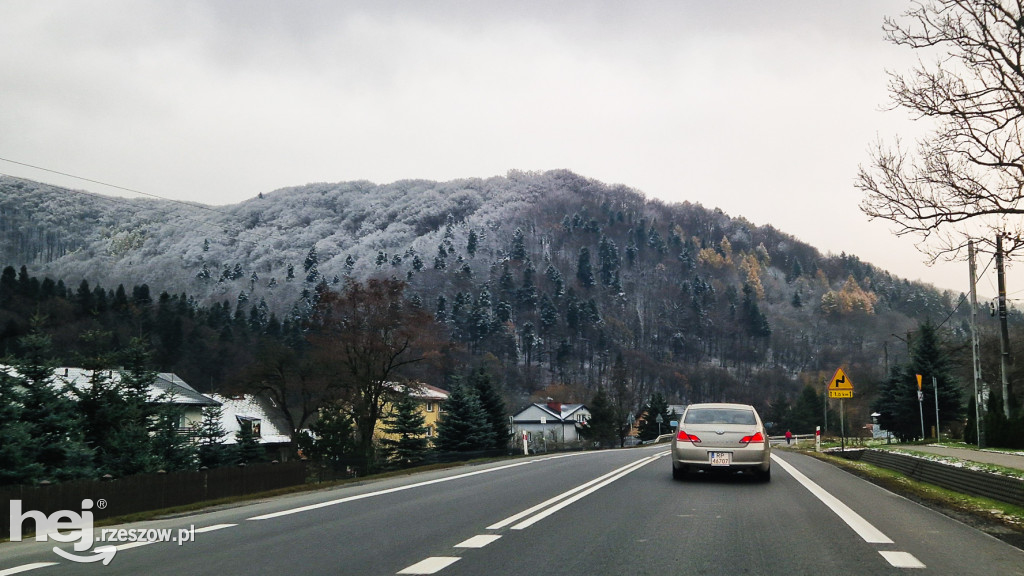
pixel 430 400
pixel 550 423
pixel 257 413
pixel 167 388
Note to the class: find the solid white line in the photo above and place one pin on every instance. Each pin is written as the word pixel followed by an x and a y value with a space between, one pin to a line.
pixel 478 541
pixel 214 527
pixel 516 517
pixel 26 568
pixel 632 468
pixel 861 526
pixel 388 491
pixel 431 565
pixel 902 560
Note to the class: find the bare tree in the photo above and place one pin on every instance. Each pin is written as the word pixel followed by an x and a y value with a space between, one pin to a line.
pixel 362 338
pixel 966 178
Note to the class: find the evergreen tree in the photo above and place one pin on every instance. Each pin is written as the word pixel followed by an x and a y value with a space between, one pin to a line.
pixel 210 438
pixel 584 269
pixel 603 426
pixel 247 444
pixel 494 407
pixel 472 243
pixel 406 444
pixel 649 426
pixel 173 451
pixel 464 426
pixel 333 439
pixel 518 250
pixel 935 364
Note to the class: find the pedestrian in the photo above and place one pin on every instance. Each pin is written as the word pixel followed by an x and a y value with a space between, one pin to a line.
pixel 789 436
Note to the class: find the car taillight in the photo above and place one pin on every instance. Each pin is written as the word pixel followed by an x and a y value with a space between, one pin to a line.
pixel 687 437
pixel 755 438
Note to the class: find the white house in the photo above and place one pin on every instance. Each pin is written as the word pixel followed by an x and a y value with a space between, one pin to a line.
pixel 167 388
pixel 256 412
pixel 551 423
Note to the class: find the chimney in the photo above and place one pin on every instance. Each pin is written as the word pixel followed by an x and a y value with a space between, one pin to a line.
pixel 555 407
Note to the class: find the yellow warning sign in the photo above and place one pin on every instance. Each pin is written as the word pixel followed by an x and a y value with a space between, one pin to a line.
pixel 840 386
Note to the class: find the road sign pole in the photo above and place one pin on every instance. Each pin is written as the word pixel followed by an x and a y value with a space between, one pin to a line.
pixel 842 423
pixel 938 433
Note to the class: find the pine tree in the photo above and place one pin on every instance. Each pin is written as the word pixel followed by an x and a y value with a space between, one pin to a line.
pixel 406 444
pixel 464 426
pixel 584 269
pixel 649 426
pixel 602 427
pixel 247 444
pixel 494 407
pixel 333 439
pixel 210 438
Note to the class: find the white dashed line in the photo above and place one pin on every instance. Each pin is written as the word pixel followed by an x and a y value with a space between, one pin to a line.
pixel 431 565
pixel 902 559
pixel 478 541
pixel 214 527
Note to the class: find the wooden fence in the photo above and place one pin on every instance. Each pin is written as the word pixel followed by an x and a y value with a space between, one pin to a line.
pixel 146 492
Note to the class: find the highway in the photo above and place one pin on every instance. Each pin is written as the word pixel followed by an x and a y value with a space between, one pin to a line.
pixel 591 513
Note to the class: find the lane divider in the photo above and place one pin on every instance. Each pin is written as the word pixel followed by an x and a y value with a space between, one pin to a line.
pixel 397 489
pixel 862 527
pixel 435 564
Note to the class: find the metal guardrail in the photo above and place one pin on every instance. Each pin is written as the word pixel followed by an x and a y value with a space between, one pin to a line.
pixel 973 482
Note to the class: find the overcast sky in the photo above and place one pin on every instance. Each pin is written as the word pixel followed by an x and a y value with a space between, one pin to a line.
pixel 763 109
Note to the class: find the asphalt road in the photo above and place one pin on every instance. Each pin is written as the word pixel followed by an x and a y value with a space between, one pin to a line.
pixel 595 513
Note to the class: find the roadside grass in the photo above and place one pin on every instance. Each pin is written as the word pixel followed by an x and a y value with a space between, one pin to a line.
pixel 1000 519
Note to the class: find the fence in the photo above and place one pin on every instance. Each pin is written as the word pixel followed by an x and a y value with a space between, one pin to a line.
pixel 973 482
pixel 145 492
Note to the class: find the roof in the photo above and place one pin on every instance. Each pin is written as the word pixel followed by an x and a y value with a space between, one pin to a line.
pixel 235 409
pixel 167 388
pixel 421 391
pixel 543 410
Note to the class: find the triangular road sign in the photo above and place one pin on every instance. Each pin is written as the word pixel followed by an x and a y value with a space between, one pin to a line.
pixel 840 381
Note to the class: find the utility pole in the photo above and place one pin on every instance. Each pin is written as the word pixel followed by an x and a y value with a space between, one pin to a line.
pixel 975 348
pixel 1004 332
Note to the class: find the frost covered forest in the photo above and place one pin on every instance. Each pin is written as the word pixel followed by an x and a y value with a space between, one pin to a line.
pixel 544 279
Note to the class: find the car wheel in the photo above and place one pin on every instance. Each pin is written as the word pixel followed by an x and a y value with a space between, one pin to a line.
pixel 764 475
pixel 678 473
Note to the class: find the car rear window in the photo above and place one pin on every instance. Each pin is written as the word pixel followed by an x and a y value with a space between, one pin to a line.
pixel 720 416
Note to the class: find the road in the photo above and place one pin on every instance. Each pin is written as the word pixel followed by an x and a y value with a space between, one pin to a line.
pixel 594 513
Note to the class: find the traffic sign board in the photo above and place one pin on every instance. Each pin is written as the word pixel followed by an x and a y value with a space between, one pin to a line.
pixel 840 386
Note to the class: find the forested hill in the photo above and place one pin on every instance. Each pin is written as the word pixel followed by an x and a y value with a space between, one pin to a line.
pixel 552 274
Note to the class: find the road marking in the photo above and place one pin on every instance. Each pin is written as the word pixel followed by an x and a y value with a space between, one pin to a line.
pixel 410 487
pixel 861 526
pixel 214 527
pixel 388 491
pixel 902 559
pixel 516 517
pixel 431 565
pixel 615 475
pixel 478 541
pixel 26 568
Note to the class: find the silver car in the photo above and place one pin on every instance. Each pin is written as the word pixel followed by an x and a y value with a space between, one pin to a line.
pixel 721 437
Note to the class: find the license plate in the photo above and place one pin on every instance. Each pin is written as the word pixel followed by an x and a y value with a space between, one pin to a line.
pixel 720 458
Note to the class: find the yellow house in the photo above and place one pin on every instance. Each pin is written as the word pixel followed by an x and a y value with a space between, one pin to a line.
pixel 430 400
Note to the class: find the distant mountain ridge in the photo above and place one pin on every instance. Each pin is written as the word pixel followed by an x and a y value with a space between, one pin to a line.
pixel 547 268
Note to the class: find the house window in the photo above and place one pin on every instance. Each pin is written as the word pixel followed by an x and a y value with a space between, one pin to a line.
pixel 249 424
pixel 430 431
pixel 430 406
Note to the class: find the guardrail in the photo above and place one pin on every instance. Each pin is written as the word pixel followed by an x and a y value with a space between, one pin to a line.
pixel 973 482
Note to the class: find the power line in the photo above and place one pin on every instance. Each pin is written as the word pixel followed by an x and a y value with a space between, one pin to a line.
pixel 84 179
